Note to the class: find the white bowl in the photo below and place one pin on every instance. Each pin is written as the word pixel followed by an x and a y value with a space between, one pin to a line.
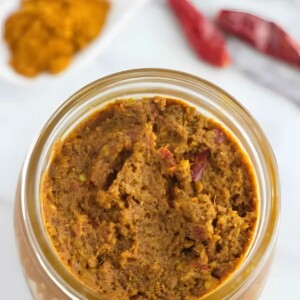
pixel 120 13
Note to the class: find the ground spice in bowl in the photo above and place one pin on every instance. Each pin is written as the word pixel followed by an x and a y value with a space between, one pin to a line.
pixel 44 35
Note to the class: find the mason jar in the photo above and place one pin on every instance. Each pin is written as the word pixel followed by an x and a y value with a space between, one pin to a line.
pixel 47 277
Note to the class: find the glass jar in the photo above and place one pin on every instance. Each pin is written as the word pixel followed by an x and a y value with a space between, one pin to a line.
pixel 48 279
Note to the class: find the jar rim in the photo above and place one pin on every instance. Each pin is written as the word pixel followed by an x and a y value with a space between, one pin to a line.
pixel 30 172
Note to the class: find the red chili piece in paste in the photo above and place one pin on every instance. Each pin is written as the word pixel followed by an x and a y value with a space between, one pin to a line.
pixel 167 156
pixel 220 135
pixel 197 168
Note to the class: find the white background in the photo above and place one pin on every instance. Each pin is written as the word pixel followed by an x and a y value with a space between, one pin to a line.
pixel 152 39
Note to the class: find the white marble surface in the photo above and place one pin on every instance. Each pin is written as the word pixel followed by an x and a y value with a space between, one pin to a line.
pixel 152 40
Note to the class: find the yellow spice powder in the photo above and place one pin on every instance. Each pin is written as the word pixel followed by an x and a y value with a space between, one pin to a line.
pixel 44 35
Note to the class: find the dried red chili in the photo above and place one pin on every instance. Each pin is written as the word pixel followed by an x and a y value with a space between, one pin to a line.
pixel 205 38
pixel 264 35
